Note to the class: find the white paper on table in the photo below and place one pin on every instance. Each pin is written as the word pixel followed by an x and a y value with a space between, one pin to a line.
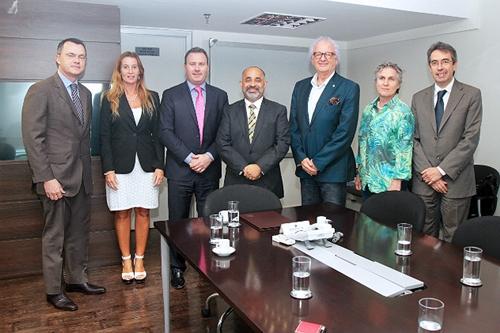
pixel 379 278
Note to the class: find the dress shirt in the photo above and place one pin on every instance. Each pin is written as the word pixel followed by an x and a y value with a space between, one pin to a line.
pixel 194 95
pixel 385 144
pixel 67 83
pixel 446 97
pixel 257 104
pixel 315 94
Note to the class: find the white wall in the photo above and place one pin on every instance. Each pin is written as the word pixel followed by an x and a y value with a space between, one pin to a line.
pixel 478 64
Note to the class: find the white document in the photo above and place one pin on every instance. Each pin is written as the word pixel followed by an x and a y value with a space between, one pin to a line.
pixel 379 278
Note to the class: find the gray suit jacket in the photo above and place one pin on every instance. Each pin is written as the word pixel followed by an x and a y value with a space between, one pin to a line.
pixel 58 146
pixel 269 146
pixel 450 147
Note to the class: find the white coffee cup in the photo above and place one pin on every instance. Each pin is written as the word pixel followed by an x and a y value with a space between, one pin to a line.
pixel 322 219
pixel 223 243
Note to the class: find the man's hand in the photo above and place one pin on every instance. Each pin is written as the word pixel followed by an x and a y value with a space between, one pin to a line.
pixel 395 185
pixel 111 180
pixel 199 163
pixel 158 177
pixel 252 172
pixel 53 189
pixel 440 186
pixel 309 167
pixel 431 175
pixel 357 183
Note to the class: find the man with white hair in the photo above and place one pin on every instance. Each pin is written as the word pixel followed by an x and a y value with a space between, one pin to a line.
pixel 323 120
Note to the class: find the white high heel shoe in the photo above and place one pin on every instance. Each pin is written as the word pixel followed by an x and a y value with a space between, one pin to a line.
pixel 140 277
pixel 127 277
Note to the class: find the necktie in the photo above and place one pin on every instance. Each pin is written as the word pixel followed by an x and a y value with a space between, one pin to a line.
pixel 252 119
pixel 200 111
pixel 439 109
pixel 77 102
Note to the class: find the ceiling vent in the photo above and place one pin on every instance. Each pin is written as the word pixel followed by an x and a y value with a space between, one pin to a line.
pixel 282 20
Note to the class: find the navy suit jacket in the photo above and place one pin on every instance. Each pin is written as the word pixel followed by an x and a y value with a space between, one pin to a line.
pixel 122 139
pixel 180 134
pixel 269 146
pixel 327 139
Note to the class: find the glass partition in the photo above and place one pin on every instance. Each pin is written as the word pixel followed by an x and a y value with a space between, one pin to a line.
pixel 12 98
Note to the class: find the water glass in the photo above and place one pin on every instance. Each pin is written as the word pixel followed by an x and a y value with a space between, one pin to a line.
pixel 430 315
pixel 215 228
pixel 472 266
pixel 233 214
pixel 301 274
pixel 404 239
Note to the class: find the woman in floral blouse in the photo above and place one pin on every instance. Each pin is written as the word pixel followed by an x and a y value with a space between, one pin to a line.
pixel 385 137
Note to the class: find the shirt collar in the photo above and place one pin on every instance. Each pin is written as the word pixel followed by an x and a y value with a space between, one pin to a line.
pixel 393 101
pixel 447 88
pixel 257 103
pixel 67 82
pixel 192 86
pixel 314 80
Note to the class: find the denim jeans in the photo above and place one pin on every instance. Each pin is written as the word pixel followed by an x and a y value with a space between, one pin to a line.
pixel 314 192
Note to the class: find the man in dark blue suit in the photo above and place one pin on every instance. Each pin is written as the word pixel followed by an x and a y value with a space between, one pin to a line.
pixel 190 114
pixel 323 120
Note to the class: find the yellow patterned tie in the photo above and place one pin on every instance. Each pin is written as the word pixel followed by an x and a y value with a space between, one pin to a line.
pixel 252 119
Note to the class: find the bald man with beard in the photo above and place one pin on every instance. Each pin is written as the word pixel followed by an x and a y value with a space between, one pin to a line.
pixel 254 136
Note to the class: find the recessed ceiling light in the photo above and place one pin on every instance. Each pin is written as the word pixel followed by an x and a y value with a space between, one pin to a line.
pixel 286 21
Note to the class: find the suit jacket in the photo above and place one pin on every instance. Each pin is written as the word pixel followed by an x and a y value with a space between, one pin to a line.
pixel 180 134
pixel 57 144
pixel 269 145
pixel 327 138
pixel 450 147
pixel 122 139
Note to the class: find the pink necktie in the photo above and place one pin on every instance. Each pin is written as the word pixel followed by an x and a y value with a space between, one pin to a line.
pixel 200 111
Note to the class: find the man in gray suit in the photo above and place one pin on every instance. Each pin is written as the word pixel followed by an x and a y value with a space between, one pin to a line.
pixel 447 123
pixel 253 136
pixel 56 133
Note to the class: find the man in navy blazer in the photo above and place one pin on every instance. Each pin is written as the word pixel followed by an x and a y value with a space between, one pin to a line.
pixel 254 136
pixel 323 120
pixel 190 114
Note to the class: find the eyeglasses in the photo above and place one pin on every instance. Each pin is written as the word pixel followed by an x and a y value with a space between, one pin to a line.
pixel 319 55
pixel 72 56
pixel 444 62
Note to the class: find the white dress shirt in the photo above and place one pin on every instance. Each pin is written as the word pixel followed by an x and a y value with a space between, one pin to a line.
pixel 315 94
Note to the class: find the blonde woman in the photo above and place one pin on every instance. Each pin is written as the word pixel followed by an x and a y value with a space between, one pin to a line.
pixel 132 158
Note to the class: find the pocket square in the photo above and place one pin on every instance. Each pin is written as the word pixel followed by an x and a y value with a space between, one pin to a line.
pixel 334 101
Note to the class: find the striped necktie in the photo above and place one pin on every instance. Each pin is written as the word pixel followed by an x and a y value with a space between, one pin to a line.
pixel 439 109
pixel 252 119
pixel 77 102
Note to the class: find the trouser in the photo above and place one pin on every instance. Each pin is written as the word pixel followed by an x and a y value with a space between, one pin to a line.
pixel 65 240
pixel 314 192
pixel 180 193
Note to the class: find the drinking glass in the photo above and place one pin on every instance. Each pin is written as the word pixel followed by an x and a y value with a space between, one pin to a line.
pixel 472 266
pixel 215 229
pixel 301 274
pixel 233 213
pixel 430 315
pixel 404 239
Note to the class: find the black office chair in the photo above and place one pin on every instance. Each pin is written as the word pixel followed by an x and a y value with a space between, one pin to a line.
pixel 484 203
pixel 252 199
pixel 483 232
pixel 393 207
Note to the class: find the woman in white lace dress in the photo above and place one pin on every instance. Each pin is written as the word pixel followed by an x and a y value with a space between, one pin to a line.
pixel 132 158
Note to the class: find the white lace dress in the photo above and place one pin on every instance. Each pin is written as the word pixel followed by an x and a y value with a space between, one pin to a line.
pixel 135 189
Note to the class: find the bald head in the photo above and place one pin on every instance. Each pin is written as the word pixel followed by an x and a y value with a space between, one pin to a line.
pixel 253 83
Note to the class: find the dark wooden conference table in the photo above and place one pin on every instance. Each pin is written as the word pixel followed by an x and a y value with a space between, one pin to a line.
pixel 256 279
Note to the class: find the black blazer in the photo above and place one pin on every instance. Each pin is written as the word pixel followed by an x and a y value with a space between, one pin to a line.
pixel 122 139
pixel 180 134
pixel 269 145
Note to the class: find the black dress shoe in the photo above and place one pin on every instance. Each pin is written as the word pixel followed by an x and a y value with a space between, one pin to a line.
pixel 177 279
pixel 85 288
pixel 62 302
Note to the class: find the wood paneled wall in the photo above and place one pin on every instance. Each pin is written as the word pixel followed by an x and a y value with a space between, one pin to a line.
pixel 28 41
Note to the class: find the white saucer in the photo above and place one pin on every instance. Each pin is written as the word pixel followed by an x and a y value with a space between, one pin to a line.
pixel 223 251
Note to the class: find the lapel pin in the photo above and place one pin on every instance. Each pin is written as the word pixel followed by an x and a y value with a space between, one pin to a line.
pixel 333 86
